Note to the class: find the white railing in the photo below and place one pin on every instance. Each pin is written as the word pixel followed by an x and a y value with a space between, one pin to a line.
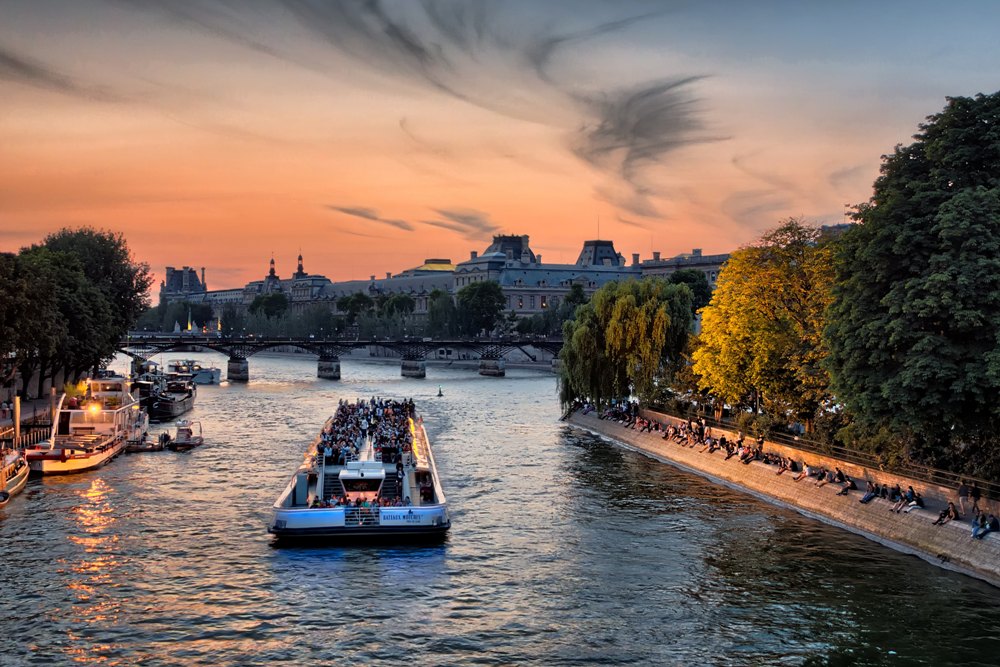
pixel 361 516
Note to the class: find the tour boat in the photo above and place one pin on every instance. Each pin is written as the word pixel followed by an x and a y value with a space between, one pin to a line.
pixel 199 374
pixel 13 474
pixel 370 489
pixel 91 431
pixel 185 437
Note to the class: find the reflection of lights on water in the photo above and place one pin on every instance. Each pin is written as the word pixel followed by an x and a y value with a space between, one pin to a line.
pixel 97 570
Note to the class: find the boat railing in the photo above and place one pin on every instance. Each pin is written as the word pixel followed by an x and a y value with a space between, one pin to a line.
pixel 361 516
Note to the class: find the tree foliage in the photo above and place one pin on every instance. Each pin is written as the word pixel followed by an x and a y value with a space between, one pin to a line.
pixel 354 305
pixel 271 305
pixel 480 307
pixel 701 291
pixel 627 339
pixel 913 326
pixel 761 334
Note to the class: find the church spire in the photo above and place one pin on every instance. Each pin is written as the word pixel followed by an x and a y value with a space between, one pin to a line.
pixel 271 272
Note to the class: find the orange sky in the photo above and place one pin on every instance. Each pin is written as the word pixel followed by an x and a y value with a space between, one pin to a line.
pixel 214 136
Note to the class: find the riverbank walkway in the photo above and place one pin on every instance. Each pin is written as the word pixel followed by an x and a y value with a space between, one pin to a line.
pixel 32 411
pixel 950 545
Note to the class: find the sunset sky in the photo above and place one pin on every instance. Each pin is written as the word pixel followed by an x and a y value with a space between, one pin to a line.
pixel 371 135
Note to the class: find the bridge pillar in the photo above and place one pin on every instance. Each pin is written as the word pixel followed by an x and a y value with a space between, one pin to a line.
pixel 493 367
pixel 328 369
pixel 238 370
pixel 413 368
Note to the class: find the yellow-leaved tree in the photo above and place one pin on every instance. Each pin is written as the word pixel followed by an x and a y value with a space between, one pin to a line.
pixel 761 343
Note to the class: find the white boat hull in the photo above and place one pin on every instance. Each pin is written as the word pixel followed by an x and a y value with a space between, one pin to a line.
pixel 68 461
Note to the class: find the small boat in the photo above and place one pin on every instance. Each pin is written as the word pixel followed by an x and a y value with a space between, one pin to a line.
pixel 165 397
pixel 89 432
pixel 384 485
pixel 13 474
pixel 199 374
pixel 185 437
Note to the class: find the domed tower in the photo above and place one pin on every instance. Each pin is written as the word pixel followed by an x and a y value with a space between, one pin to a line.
pixel 299 271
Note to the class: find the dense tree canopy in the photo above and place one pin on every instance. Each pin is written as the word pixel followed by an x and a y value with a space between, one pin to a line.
pixel 480 307
pixel 625 340
pixel 760 340
pixel 354 305
pixel 67 302
pixel 270 305
pixel 913 329
pixel 701 291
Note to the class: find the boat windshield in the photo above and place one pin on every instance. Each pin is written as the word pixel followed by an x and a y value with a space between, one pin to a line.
pixel 361 485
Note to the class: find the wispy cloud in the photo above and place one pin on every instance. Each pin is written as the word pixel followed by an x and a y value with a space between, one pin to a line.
pixel 509 58
pixel 371 215
pixel 22 69
pixel 472 225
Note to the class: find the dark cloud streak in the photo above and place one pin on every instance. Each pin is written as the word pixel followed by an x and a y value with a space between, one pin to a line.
pixel 371 215
pixel 27 71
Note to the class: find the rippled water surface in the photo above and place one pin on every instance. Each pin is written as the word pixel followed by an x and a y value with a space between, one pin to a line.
pixel 564 550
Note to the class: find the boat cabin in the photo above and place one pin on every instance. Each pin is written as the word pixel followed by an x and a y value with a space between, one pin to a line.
pixel 362 482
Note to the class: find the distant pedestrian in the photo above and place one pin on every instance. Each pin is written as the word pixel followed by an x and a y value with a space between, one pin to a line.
pixel 975 494
pixel 963 495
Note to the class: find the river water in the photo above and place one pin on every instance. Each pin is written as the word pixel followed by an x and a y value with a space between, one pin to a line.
pixel 564 550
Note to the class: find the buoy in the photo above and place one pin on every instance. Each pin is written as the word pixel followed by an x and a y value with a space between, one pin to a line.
pixel 440 393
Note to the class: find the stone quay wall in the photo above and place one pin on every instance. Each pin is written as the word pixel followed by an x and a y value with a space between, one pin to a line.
pixel 949 546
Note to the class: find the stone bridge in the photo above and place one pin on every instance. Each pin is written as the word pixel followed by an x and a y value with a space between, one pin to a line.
pixel 412 351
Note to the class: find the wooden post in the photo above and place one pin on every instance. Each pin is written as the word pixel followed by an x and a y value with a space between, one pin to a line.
pixel 17 421
pixel 52 404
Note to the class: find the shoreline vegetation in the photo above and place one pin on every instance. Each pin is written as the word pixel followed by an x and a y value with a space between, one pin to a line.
pixel 878 336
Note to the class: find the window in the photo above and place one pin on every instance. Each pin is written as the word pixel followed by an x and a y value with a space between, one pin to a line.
pixel 532 302
pixel 544 302
pixel 520 302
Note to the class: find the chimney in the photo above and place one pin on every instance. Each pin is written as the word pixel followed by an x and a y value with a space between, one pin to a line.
pixel 203 283
pixel 635 259
pixel 373 277
pixel 538 258
pixel 696 252
pixel 656 256
pixel 388 274
pixel 474 254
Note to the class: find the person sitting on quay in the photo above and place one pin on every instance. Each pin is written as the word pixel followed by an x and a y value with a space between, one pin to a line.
pixel 949 513
pixel 871 493
pixel 849 485
pixel 992 525
pixel 807 471
pixel 916 504
pixel 904 499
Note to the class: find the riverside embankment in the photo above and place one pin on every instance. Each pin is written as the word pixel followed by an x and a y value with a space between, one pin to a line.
pixel 950 546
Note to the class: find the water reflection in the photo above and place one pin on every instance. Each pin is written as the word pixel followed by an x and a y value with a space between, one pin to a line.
pixel 564 550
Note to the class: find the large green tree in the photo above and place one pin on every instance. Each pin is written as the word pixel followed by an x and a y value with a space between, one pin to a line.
pixel 107 262
pixel 701 291
pixel 480 307
pixel 913 329
pixel 626 340
pixel 761 334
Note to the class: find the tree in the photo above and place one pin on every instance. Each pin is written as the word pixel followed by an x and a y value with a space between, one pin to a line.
pixel 701 291
pixel 354 305
pixel 626 340
pixel 441 314
pixel 913 326
pixel 761 333
pixel 107 263
pixel 271 306
pixel 480 306
pixel 399 304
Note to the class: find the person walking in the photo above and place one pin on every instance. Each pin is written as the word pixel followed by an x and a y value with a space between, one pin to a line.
pixel 963 495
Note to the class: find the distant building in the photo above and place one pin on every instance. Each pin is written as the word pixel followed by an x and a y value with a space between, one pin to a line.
pixel 710 265
pixel 530 286
pixel 182 285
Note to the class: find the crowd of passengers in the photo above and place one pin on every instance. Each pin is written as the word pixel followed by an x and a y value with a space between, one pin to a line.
pixel 696 433
pixel 344 501
pixel 386 422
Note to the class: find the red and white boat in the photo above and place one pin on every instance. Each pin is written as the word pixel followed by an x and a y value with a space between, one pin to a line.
pixel 91 431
